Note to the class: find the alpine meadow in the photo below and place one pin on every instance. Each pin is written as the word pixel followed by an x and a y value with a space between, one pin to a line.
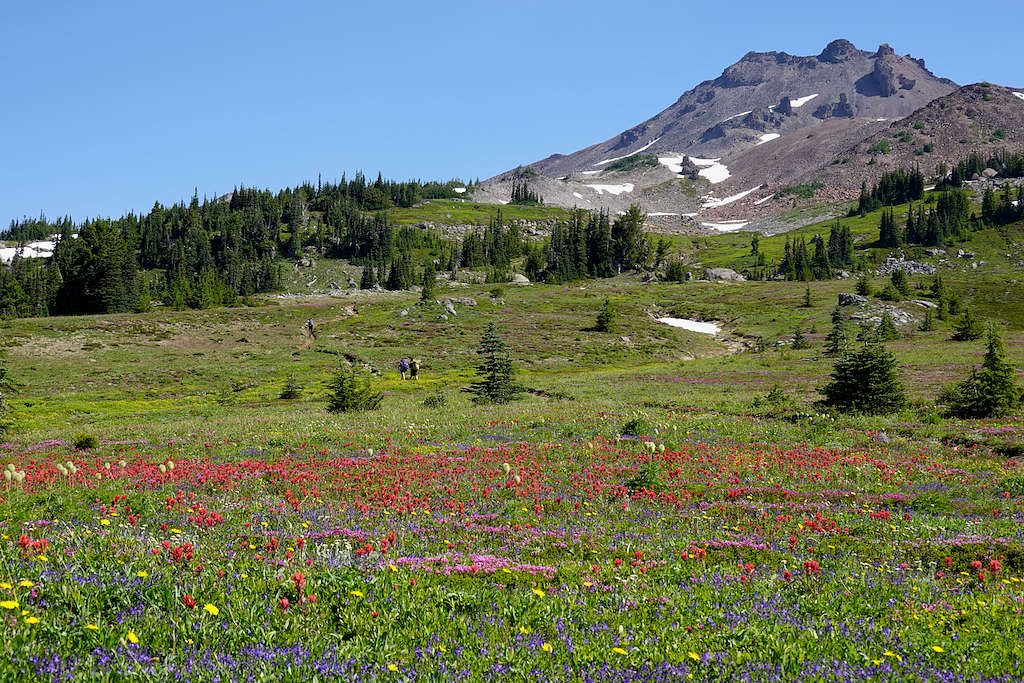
pixel 734 395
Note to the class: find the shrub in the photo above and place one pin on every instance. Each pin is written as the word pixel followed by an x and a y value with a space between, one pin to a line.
pixel 865 382
pixel 928 323
pixel 435 401
pixel 799 340
pixel 84 442
pixel 647 478
pixel 881 147
pixel 635 426
pixel 675 271
pixel 347 394
pixel 890 293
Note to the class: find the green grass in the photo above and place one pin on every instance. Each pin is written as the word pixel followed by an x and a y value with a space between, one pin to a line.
pixel 466 212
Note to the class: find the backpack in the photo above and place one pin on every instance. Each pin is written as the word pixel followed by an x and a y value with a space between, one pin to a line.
pixel 403 365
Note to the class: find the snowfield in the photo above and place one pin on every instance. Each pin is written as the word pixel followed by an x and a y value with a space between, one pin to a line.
pixel 759 202
pixel 799 102
pixel 459 190
pixel 715 171
pixel 727 226
pixel 691 325
pixel 713 203
pixel 613 189
pixel 647 146
pixel 1019 95
pixel 674 163
pixel 767 137
pixel 31 250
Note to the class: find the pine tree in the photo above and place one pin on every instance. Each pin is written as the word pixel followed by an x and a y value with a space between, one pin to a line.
pixel 990 392
pixel 864 285
pixel 496 383
pixel 866 382
pixel 928 323
pixel 887 328
pixel 606 317
pixel 838 338
pixel 799 340
pixel 347 394
pixel 900 282
pixel 807 298
pixel 967 328
pixel 367 280
pixel 429 282
pixel 630 246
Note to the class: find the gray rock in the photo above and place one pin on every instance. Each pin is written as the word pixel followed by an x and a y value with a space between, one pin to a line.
pixel 648 278
pixel 449 309
pixel 518 279
pixel 352 283
pixel 893 264
pixel 464 301
pixel 990 173
pixel 404 313
pixel 846 299
pixel 442 317
pixel 727 274
pixel 688 276
pixel 935 252
pixel 924 304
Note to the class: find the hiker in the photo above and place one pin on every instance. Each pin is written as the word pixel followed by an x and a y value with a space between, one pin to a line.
pixel 403 367
pixel 414 369
pixel 309 327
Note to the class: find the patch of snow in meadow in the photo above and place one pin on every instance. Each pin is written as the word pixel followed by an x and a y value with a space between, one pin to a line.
pixel 713 203
pixel 767 137
pixel 1019 95
pixel 647 146
pixel 691 325
pixel 727 226
pixel 930 187
pixel 590 172
pixel 613 189
pixel 459 190
pixel 577 195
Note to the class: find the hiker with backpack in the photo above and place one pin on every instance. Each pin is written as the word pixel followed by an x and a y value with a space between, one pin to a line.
pixel 414 368
pixel 403 367
pixel 310 329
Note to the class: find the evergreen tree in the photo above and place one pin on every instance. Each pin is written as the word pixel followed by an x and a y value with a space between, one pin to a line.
pixel 887 328
pixel 799 339
pixel 496 383
pixel 807 303
pixel 630 247
pixel 347 394
pixel 606 317
pixel 864 285
pixel 838 337
pixel 900 282
pixel 967 328
pixel 990 392
pixel 367 280
pixel 928 323
pixel 866 381
pixel 429 282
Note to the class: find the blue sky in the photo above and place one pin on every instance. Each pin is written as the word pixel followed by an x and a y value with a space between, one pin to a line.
pixel 110 106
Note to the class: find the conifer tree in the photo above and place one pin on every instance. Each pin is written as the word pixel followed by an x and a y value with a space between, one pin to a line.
pixel 347 394
pixel 864 285
pixel 866 381
pixel 990 392
pixel 496 383
pixel 429 282
pixel 807 303
pixel 928 322
pixel 606 317
pixel 887 328
pixel 799 339
pixel 900 282
pixel 967 328
pixel 839 336
pixel 367 280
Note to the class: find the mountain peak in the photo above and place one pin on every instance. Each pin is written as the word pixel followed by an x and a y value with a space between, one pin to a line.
pixel 838 50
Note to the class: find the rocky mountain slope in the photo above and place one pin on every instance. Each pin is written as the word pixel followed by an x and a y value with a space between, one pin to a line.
pixel 720 153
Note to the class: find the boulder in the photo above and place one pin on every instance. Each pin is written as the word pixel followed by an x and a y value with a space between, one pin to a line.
pixel 846 299
pixel 990 173
pixel 727 274
pixel 518 279
pixel 464 301
pixel 449 308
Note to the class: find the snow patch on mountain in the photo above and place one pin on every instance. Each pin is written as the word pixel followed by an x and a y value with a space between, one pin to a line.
pixel 645 147
pixel 674 163
pixel 713 203
pixel 713 169
pixel 613 189
pixel 728 226
pixel 801 101
pixel 767 137
pixel 1019 95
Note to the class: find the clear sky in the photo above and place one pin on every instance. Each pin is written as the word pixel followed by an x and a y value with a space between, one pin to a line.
pixel 109 106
